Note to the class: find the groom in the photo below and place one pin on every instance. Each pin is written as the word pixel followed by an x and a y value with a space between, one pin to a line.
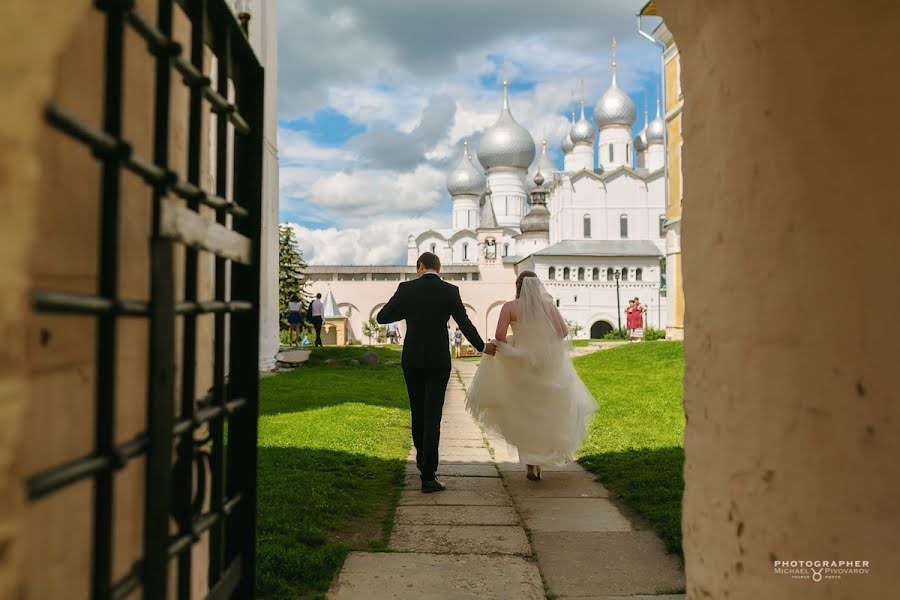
pixel 427 303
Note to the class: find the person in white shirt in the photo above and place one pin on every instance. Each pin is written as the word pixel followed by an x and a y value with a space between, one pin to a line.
pixel 316 312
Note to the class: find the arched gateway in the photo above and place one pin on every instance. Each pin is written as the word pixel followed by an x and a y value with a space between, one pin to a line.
pixel 599 329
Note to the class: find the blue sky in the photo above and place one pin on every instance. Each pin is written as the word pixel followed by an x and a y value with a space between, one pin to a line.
pixel 375 101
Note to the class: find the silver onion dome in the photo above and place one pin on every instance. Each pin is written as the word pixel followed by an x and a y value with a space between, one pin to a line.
pixel 656 130
pixel 542 166
pixel 640 140
pixel 582 132
pixel 614 107
pixel 567 144
pixel 506 143
pixel 464 178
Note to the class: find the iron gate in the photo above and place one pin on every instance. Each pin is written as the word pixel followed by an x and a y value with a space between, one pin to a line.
pixel 185 438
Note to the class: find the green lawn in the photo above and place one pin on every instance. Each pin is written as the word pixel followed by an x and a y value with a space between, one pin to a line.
pixel 583 343
pixel 636 442
pixel 333 441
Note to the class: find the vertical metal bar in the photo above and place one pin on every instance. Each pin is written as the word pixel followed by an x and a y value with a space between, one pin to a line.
pixel 185 461
pixel 160 390
pixel 217 459
pixel 106 323
pixel 244 345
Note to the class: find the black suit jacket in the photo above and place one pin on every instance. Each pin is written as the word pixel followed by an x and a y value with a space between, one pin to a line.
pixel 427 303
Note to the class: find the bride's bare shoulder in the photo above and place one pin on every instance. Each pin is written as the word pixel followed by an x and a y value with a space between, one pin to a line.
pixel 511 307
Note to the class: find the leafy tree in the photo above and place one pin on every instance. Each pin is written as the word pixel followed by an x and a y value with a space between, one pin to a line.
pixel 574 328
pixel 372 330
pixel 291 271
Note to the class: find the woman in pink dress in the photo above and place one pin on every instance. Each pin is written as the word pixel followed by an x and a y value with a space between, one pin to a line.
pixel 637 319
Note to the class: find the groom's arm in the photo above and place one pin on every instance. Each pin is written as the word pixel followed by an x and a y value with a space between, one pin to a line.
pixel 393 310
pixel 458 311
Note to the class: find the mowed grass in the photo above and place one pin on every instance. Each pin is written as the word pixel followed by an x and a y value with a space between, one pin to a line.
pixel 333 441
pixel 636 440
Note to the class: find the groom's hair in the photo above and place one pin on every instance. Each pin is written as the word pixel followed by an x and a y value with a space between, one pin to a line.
pixel 430 261
pixel 521 278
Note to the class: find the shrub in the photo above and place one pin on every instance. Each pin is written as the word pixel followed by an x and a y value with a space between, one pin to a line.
pixel 616 334
pixel 651 334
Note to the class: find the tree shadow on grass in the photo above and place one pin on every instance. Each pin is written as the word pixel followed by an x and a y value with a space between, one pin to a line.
pixel 650 481
pixel 315 506
pixel 318 385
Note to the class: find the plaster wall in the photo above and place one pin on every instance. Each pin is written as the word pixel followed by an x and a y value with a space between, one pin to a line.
pixel 793 416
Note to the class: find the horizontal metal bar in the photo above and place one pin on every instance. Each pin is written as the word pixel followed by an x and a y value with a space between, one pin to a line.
pixel 55 478
pixel 179 223
pixel 148 171
pixel 72 303
pixel 201 525
pixel 189 191
pixel 192 77
pixel 159 44
pixel 127 585
pixel 227 584
pixel 212 306
pixel 229 505
pixel 207 414
pixel 99 141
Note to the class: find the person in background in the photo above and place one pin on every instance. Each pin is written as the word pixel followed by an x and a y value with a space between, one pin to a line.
pixel 638 329
pixel 450 336
pixel 295 320
pixel 629 318
pixel 393 334
pixel 316 313
pixel 457 341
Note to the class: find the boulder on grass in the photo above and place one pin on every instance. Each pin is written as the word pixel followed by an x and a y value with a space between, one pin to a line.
pixel 354 363
pixel 369 358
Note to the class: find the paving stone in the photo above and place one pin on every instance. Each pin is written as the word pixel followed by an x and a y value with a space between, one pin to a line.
pixel 457 515
pixel 459 470
pixel 388 576
pixel 565 484
pixel 451 455
pixel 451 497
pixel 640 597
pixel 471 442
pixel 611 563
pixel 460 539
pixel 483 485
pixel 572 514
pixel 515 465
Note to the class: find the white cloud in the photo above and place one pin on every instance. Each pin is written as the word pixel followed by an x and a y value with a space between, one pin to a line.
pixel 381 241
pixel 358 195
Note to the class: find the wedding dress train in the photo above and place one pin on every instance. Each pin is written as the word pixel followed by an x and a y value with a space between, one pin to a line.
pixel 529 392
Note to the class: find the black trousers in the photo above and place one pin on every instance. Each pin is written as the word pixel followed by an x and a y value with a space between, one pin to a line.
pixel 317 325
pixel 426 388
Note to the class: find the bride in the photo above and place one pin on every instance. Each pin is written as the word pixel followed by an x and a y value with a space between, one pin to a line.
pixel 526 388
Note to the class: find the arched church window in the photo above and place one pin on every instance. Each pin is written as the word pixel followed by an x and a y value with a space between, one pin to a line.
pixel 505 249
pixel 595 274
pixel 624 273
pixel 587 226
pixel 580 273
pixel 465 251
pixel 575 299
pixel 662 225
pixel 623 226
pixel 609 274
pixel 627 151
pixel 551 274
pixel 557 303
pixel 611 153
pixel 433 248
pixel 638 274
pixel 566 273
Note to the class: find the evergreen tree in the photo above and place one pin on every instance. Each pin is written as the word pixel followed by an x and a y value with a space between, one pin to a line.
pixel 291 272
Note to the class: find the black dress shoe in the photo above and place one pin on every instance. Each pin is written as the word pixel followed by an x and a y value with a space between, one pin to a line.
pixel 432 486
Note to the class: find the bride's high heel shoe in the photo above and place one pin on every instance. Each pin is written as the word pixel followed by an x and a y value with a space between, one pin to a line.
pixel 532 472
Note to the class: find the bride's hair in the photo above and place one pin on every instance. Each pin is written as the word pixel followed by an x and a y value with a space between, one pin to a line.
pixel 521 278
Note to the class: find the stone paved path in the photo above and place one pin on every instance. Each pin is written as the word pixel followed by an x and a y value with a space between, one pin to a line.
pixel 495 535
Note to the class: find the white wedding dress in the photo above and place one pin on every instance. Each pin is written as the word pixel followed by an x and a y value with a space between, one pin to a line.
pixel 529 392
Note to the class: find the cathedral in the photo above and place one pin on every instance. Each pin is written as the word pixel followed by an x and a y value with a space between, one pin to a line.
pixel 593 232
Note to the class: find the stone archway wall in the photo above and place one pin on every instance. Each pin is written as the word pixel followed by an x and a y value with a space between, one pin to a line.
pixel 793 426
